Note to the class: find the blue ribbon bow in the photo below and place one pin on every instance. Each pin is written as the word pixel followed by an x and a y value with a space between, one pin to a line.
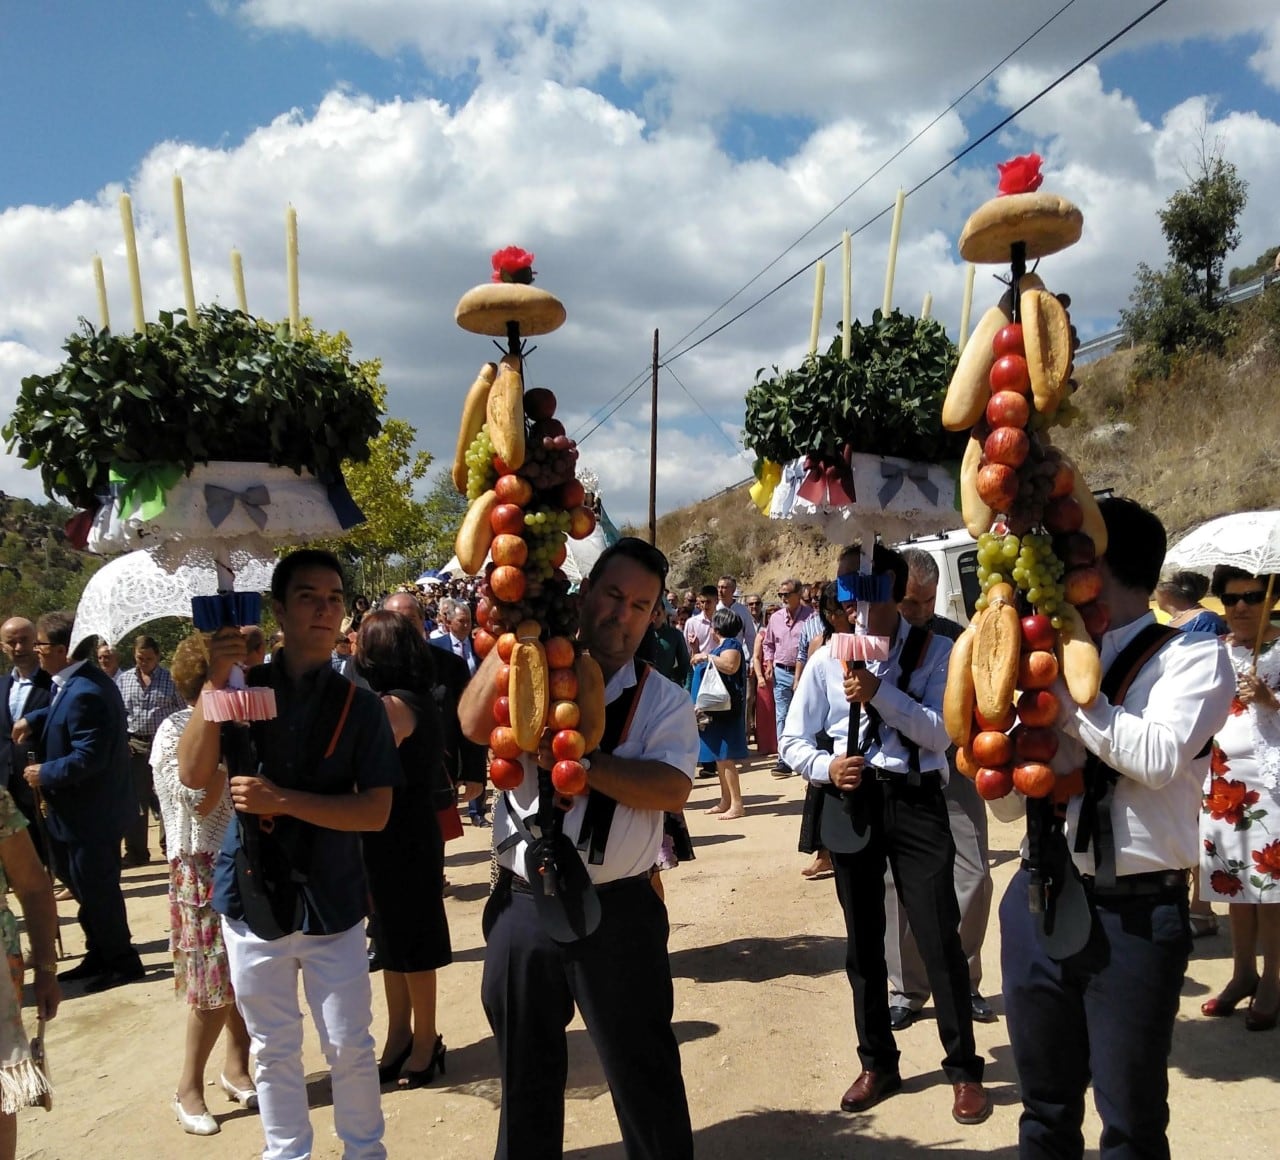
pixel 219 501
pixel 895 474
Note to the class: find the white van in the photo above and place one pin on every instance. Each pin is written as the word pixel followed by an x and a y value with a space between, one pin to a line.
pixel 956 553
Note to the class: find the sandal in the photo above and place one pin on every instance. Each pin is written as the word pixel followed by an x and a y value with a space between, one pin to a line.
pixel 1204 925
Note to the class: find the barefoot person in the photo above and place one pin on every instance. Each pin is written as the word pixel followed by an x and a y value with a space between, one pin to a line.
pixel 724 734
pixel 618 975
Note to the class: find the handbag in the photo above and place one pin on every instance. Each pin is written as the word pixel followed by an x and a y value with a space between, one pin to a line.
pixel 713 693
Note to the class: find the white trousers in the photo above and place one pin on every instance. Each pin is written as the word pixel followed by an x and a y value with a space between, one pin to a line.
pixel 335 979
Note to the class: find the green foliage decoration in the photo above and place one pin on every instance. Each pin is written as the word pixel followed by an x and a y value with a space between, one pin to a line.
pixel 885 399
pixel 234 387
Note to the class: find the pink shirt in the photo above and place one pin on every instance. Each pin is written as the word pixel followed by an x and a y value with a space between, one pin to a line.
pixel 782 636
pixel 697 631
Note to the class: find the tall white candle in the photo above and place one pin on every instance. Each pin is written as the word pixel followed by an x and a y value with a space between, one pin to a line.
pixel 131 253
pixel 237 277
pixel 926 308
pixel 846 314
pixel 967 306
pixel 184 251
pixel 291 266
pixel 819 285
pixel 101 279
pixel 894 234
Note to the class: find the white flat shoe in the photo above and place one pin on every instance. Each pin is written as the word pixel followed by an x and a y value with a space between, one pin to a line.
pixel 246 1096
pixel 200 1125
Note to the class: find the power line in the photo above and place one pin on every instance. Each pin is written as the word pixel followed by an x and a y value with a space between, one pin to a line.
pixel 667 367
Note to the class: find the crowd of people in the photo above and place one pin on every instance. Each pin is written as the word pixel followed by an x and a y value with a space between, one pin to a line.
pixel 312 845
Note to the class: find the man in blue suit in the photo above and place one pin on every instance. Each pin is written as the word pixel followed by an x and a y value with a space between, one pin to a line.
pixel 84 777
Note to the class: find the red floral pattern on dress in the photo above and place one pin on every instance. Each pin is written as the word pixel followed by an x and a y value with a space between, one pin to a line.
pixel 1227 800
pixel 1237 707
pixel 1224 883
pixel 1020 175
pixel 1267 860
pixel 1218 761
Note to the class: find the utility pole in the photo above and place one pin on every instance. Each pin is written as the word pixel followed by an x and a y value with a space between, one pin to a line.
pixel 653 450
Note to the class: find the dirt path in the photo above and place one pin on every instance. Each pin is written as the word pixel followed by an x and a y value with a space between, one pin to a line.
pixel 762 1011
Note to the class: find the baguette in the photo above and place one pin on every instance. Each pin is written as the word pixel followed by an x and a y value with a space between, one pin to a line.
pixel 976 514
pixel 970 387
pixel 473 416
pixel 505 413
pixel 1078 658
pixel 529 694
pixel 475 536
pixel 1046 336
pixel 957 701
pixel 996 649
pixel 590 700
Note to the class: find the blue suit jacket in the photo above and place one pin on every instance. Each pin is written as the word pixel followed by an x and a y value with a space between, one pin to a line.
pixel 83 741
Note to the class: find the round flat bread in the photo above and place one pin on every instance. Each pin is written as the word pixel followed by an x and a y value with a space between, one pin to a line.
pixel 1046 222
pixel 487 309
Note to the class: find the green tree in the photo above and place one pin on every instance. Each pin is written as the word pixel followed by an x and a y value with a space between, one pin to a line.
pixel 445 510
pixel 1201 223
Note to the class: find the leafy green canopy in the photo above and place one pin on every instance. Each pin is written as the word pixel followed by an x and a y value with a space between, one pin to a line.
pixel 885 399
pixel 231 388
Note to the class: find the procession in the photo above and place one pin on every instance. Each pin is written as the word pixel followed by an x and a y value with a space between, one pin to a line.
pixel 370 791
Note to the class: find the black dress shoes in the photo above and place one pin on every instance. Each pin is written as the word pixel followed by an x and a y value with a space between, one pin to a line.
pixel 87 968
pixel 114 978
pixel 869 1089
pixel 900 1018
pixel 981 1009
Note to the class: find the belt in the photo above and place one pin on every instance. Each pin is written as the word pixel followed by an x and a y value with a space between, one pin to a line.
pixel 1147 884
pixel 789 668
pixel 521 885
pixel 142 736
pixel 901 775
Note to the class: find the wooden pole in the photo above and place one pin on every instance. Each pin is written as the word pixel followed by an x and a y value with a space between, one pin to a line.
pixel 653 449
pixel 1265 622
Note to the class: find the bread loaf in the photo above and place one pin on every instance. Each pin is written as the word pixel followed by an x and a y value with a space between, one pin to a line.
pixel 996 648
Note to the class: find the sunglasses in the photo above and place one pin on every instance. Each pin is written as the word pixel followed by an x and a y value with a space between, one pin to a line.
pixel 783 593
pixel 1231 599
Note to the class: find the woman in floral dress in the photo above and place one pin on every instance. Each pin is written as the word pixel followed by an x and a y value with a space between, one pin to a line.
pixel 1240 822
pixel 195 821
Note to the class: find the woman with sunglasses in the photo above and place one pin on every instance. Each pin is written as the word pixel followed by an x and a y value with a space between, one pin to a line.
pixel 1240 820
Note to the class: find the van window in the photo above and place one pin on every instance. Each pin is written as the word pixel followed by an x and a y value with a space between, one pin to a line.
pixel 970 588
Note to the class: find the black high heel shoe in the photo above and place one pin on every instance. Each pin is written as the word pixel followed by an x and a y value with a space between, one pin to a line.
pixel 389 1070
pixel 416 1079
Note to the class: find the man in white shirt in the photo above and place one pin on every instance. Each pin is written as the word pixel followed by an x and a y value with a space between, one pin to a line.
pixel 454 633
pixel 726 593
pixel 901 756
pixel 1102 1006
pixel 618 974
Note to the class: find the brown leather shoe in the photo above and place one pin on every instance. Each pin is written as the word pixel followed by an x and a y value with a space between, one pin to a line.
pixel 869 1089
pixel 972 1105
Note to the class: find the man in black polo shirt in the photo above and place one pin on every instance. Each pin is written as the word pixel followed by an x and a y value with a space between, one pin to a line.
pixel 328 765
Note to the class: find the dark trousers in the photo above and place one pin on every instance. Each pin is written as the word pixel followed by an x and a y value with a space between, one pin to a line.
pixel 910 831
pixel 93 873
pixel 620 978
pixel 1106 1012
pixel 135 838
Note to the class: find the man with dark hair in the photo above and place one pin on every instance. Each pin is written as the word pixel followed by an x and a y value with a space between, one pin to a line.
pixel 84 777
pixel 149 696
pixel 1101 1006
pixel 967 814
pixel 618 973
pixel 697 632
pixel 327 765
pixel 897 770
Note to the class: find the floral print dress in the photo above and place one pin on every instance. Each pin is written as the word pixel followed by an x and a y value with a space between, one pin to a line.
pixel 1240 819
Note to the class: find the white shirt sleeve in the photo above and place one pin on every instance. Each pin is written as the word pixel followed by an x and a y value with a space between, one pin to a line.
pixel 810 712
pixel 920 721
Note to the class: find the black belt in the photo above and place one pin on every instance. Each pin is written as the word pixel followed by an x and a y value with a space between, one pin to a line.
pixel 142 736
pixel 788 668
pixel 1147 884
pixel 901 775
pixel 521 885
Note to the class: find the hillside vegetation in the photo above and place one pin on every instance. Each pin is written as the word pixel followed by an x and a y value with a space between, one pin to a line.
pixel 1201 444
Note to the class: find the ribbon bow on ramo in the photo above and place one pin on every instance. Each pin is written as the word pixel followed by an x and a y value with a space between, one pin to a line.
pixel 895 474
pixel 218 502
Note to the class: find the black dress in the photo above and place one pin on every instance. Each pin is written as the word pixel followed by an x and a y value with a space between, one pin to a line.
pixel 405 860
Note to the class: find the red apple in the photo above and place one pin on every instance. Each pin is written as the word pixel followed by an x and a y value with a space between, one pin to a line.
pixel 1096 616
pixel 513 489
pixel 568 745
pixel 564 715
pixel 572 495
pixel 507 583
pixel 1008 409
pixel 1038 708
pixel 993 783
pixel 539 404
pixel 1008 340
pixel 1075 550
pixel 1082 585
pixel 1002 726
pixel 1007 445
pixel 505 774
pixel 1035 744
pixel 1064 480
pixel 562 684
pixel 582 522
pixel 991 748
pixel 502 740
pixel 1063 514
pixel 998 486
pixel 483 607
pixel 1034 779
pixel 560 652
pixel 506 642
pixel 482 642
pixel 1038 632
pixel 1037 669
pixel 502 679
pixel 506 519
pixel 560 556
pixel 569 778
pixel 502 710
pixel 508 549
pixel 1010 374
pixel 548 428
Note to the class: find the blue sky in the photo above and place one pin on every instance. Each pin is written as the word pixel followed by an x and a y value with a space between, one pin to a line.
pixel 655 155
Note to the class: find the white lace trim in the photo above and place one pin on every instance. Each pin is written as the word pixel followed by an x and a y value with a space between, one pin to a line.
pixel 1265 722
pixel 186 832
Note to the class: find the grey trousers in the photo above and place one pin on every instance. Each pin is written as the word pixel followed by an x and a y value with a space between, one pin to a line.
pixel 908 982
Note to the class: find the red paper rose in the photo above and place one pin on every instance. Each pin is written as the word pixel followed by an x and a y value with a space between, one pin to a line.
pixel 1218 760
pixel 512 264
pixel 1267 860
pixel 1021 175
pixel 1227 801
pixel 1224 883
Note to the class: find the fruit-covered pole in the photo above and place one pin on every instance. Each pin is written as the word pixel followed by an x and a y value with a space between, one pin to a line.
pixel 1038 528
pixel 516 465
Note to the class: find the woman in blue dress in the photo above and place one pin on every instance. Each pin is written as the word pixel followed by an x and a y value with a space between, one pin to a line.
pixel 1179 598
pixel 724 733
